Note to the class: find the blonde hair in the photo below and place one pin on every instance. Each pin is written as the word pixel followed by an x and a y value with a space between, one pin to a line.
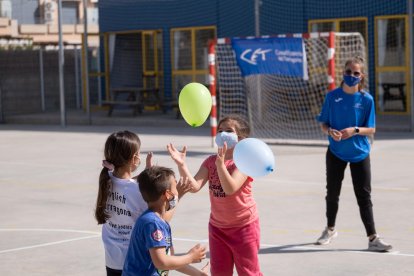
pixel 357 60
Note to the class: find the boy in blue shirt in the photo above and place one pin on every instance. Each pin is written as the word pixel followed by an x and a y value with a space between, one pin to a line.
pixel 151 251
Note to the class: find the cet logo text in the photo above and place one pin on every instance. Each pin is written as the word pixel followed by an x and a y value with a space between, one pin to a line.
pixel 252 58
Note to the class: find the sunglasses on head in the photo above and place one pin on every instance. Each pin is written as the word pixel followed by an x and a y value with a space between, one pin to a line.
pixel 349 72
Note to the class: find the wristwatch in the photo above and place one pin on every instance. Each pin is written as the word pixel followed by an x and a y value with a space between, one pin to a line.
pixel 356 130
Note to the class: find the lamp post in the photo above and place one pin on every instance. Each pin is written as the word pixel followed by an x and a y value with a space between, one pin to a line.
pixel 86 69
pixel 61 68
pixel 411 61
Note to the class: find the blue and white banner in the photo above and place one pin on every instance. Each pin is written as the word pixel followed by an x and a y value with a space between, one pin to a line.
pixel 284 56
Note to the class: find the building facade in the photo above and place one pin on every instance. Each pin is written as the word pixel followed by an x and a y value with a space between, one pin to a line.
pixel 37 20
pixel 29 59
pixel 180 31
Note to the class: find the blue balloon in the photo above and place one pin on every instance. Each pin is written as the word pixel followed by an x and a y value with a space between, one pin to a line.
pixel 253 157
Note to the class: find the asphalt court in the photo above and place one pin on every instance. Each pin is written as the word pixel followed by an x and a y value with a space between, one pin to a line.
pixel 49 180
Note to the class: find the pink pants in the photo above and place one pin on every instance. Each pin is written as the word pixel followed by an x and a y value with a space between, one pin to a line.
pixel 235 246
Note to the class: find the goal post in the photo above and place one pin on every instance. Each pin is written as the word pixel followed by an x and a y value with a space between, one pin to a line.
pixel 280 105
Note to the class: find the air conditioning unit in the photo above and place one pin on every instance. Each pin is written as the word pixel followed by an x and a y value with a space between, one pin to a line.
pixel 49 7
pixel 5 8
pixel 92 15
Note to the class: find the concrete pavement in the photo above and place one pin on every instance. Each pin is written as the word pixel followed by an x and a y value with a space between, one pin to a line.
pixel 49 181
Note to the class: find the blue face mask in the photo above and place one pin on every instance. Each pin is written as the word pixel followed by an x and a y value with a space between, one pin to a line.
pixel 351 80
pixel 229 137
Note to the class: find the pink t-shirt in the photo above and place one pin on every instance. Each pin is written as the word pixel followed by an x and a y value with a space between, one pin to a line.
pixel 234 210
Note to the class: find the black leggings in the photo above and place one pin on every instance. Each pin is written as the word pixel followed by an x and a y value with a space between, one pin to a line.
pixel 113 272
pixel 361 180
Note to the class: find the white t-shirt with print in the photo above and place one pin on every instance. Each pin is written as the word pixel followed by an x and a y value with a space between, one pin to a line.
pixel 124 205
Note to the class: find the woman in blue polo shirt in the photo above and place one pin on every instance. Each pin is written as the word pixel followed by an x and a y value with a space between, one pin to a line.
pixel 348 118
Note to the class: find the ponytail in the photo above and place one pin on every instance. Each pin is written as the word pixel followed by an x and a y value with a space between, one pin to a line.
pixel 101 214
pixel 120 148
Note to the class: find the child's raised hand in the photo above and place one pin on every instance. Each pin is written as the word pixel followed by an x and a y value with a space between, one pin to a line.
pixel 148 160
pixel 197 253
pixel 183 187
pixel 221 153
pixel 176 155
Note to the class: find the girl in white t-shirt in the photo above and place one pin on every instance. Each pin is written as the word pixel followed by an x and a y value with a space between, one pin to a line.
pixel 119 202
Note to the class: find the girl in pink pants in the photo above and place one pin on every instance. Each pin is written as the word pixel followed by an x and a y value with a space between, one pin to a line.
pixel 234 231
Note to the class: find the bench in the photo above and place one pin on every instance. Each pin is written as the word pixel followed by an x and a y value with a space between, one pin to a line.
pixel 134 97
pixel 388 96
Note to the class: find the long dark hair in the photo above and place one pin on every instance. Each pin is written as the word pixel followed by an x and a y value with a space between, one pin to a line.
pixel 120 148
pixel 357 60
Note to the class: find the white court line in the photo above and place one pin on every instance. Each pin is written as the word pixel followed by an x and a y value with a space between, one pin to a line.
pixel 191 240
pixel 46 244
pixel 263 245
pixel 97 234
pixel 47 230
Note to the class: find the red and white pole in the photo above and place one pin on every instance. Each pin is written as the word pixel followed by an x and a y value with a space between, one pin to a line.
pixel 212 82
pixel 331 61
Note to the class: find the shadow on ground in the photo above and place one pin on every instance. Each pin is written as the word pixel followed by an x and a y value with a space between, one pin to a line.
pixel 305 248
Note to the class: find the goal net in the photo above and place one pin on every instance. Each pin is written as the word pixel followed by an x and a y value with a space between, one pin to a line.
pixel 282 107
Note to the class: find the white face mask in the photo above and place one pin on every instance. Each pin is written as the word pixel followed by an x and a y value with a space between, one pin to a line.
pixel 172 202
pixel 229 137
pixel 134 168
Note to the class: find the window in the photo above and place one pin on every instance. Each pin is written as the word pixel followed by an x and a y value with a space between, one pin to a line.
pixel 152 59
pixel 133 59
pixel 341 25
pixel 392 72
pixel 70 12
pixel 26 12
pixel 182 50
pixel 189 52
pixel 328 26
pixel 349 25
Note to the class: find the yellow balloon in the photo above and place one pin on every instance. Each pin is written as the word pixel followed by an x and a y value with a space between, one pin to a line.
pixel 195 103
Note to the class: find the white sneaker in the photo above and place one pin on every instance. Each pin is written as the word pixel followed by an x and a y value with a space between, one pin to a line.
pixel 327 236
pixel 379 245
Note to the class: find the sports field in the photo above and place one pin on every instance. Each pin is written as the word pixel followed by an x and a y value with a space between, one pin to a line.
pixel 49 180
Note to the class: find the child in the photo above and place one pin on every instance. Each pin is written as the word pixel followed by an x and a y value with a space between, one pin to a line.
pixel 119 201
pixel 151 251
pixel 234 231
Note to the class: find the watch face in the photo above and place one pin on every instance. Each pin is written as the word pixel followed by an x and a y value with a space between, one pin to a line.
pixel 357 130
